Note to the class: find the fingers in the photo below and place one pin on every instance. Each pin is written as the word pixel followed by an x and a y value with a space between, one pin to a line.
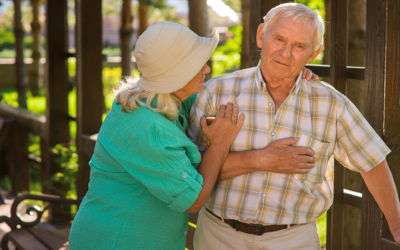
pixel 221 111
pixel 240 122
pixel 304 151
pixel 235 112
pixel 203 122
pixel 308 74
pixel 229 110
pixel 287 141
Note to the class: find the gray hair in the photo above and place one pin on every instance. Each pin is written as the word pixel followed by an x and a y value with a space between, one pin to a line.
pixel 300 13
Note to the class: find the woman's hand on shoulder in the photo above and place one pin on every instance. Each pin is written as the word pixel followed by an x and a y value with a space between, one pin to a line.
pixel 223 131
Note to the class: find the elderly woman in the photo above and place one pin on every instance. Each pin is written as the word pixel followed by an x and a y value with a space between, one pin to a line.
pixel 146 175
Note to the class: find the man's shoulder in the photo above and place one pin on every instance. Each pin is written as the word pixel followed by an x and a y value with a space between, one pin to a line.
pixel 323 89
pixel 230 78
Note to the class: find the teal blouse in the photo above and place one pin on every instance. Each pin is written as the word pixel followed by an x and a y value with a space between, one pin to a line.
pixel 143 178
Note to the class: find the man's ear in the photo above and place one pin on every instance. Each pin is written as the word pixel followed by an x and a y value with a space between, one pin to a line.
pixel 260 35
pixel 315 54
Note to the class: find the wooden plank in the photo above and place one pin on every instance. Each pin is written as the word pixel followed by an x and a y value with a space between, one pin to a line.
pixel 52 239
pixel 374 110
pixel 322 70
pixel 56 91
pixel 23 240
pixel 31 122
pixel 388 244
pixel 352 200
pixel 392 95
pixel 338 51
pixel 88 80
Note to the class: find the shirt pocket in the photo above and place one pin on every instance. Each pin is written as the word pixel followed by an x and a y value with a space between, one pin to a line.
pixel 323 151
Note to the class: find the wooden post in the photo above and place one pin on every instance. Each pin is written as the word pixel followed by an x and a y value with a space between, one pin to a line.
pixel 88 80
pixel 338 79
pixel 19 54
pixel 56 89
pixel 198 22
pixel 34 69
pixel 382 103
pixel 244 56
pixel 125 34
pixel 18 159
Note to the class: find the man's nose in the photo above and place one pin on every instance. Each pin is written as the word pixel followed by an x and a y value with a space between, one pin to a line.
pixel 286 50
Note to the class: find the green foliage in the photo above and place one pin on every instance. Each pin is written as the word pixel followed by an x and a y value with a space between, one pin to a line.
pixel 7 38
pixel 317 5
pixel 67 158
pixel 111 7
pixel 226 58
pixel 321 224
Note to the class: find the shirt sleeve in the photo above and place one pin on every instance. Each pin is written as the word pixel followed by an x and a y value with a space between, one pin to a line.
pixel 201 107
pixel 358 147
pixel 161 164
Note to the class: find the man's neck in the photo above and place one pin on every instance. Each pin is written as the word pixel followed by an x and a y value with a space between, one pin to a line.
pixel 278 89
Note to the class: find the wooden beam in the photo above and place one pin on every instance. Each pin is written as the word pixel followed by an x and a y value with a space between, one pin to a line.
pixel 19 54
pixel 338 50
pixel 374 107
pixel 56 92
pixel 392 95
pixel 31 122
pixel 89 84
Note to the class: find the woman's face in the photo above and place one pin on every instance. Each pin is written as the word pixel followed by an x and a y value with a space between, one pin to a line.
pixel 194 86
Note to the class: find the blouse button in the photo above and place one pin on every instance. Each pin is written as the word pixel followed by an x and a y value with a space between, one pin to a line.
pixel 264 194
pixel 272 133
pixel 185 233
pixel 184 175
pixel 269 104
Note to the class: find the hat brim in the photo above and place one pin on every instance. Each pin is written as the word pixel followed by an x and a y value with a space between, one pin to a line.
pixel 186 70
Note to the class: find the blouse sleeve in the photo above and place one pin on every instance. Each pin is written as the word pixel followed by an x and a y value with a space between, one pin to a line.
pixel 159 161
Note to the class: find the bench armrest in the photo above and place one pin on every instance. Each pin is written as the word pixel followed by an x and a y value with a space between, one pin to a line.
pixel 14 221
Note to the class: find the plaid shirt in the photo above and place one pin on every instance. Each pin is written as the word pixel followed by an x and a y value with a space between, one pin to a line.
pixel 323 118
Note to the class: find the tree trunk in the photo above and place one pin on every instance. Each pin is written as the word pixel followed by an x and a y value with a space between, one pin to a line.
pixel 125 37
pixel 355 92
pixel 198 22
pixel 143 17
pixel 244 57
pixel 19 54
pixel 34 69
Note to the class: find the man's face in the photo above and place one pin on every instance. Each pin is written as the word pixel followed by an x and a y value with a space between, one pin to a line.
pixel 286 47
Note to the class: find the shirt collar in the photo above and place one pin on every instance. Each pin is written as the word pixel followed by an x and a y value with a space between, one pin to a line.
pixel 261 85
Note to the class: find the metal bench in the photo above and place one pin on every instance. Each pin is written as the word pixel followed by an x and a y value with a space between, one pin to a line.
pixel 26 235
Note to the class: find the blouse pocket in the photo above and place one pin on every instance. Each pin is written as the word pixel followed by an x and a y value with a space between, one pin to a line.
pixel 323 151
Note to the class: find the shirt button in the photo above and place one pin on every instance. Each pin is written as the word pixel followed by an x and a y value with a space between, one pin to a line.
pixel 272 133
pixel 269 104
pixel 264 194
pixel 185 233
pixel 184 175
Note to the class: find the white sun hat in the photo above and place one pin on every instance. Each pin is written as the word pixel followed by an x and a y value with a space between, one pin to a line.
pixel 169 55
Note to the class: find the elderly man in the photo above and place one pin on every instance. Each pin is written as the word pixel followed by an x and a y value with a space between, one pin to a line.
pixel 276 207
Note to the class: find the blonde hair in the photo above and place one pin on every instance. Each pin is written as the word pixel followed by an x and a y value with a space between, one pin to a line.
pixel 301 13
pixel 130 96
